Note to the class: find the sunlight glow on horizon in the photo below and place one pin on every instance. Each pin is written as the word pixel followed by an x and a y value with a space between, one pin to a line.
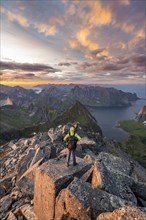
pixel 30 83
pixel 80 42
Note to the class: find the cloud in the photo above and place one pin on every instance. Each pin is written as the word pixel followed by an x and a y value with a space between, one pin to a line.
pixel 82 37
pixel 141 34
pixel 46 29
pixel 99 54
pixel 121 45
pixel 73 43
pixel 64 64
pixel 50 25
pixel 122 60
pixel 17 17
pixel 124 2
pixel 90 14
pixel 127 28
pixel 110 67
pixel 137 39
pixel 44 24
pixel 67 63
pixel 27 76
pixel 100 15
pixel 98 51
pixel 27 67
pixel 106 38
pixel 139 60
pixel 2 9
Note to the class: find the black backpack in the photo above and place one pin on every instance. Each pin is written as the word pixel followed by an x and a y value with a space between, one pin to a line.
pixel 72 142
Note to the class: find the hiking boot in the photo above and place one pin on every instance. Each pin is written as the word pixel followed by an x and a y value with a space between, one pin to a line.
pixel 74 164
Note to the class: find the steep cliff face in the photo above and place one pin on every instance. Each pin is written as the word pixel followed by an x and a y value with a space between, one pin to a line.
pixel 99 96
pixel 61 97
pixel 141 116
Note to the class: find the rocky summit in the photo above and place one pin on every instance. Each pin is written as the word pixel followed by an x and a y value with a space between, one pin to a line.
pixel 35 184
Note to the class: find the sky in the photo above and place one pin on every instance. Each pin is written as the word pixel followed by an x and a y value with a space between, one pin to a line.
pixel 71 41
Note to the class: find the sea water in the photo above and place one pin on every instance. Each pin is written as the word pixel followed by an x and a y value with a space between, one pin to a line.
pixel 109 117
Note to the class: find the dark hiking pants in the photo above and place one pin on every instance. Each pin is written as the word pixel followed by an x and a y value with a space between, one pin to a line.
pixel 73 152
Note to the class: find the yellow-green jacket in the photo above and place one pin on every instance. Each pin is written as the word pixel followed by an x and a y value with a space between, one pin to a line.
pixel 71 133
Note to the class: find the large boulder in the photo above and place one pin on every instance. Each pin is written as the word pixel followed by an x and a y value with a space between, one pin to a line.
pixel 28 212
pixel 11 216
pixel 6 184
pixel 55 135
pixel 50 179
pixel 25 162
pixel 138 172
pixel 26 181
pixel 114 162
pixel 87 177
pixel 42 151
pixel 108 176
pixel 139 189
pixel 6 203
pixel 124 213
pixel 82 201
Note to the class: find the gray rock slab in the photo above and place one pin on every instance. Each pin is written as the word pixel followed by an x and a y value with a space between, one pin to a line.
pixel 6 184
pixel 138 172
pixel 28 212
pixel 114 162
pixel 26 181
pixel 124 213
pixel 25 162
pixel 50 179
pixel 87 177
pixel 82 201
pixel 5 202
pixel 113 181
pixel 139 189
pixel 11 216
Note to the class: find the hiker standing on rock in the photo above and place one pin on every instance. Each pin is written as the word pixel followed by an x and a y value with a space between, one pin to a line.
pixel 71 138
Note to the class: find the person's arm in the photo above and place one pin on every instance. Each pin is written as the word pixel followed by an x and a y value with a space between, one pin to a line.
pixel 66 137
pixel 77 136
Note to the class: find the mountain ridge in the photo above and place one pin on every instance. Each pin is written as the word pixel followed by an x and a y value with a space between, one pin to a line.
pixel 31 110
pixel 36 183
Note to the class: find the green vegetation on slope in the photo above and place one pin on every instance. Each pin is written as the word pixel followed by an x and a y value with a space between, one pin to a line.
pixel 133 127
pixel 13 118
pixel 135 144
pixel 78 112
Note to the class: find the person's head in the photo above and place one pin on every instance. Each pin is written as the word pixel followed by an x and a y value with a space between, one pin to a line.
pixel 72 130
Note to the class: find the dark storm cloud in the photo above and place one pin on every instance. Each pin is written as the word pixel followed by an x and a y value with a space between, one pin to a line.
pixel 26 67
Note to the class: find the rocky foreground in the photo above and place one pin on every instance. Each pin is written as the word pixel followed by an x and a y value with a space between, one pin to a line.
pixel 36 184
